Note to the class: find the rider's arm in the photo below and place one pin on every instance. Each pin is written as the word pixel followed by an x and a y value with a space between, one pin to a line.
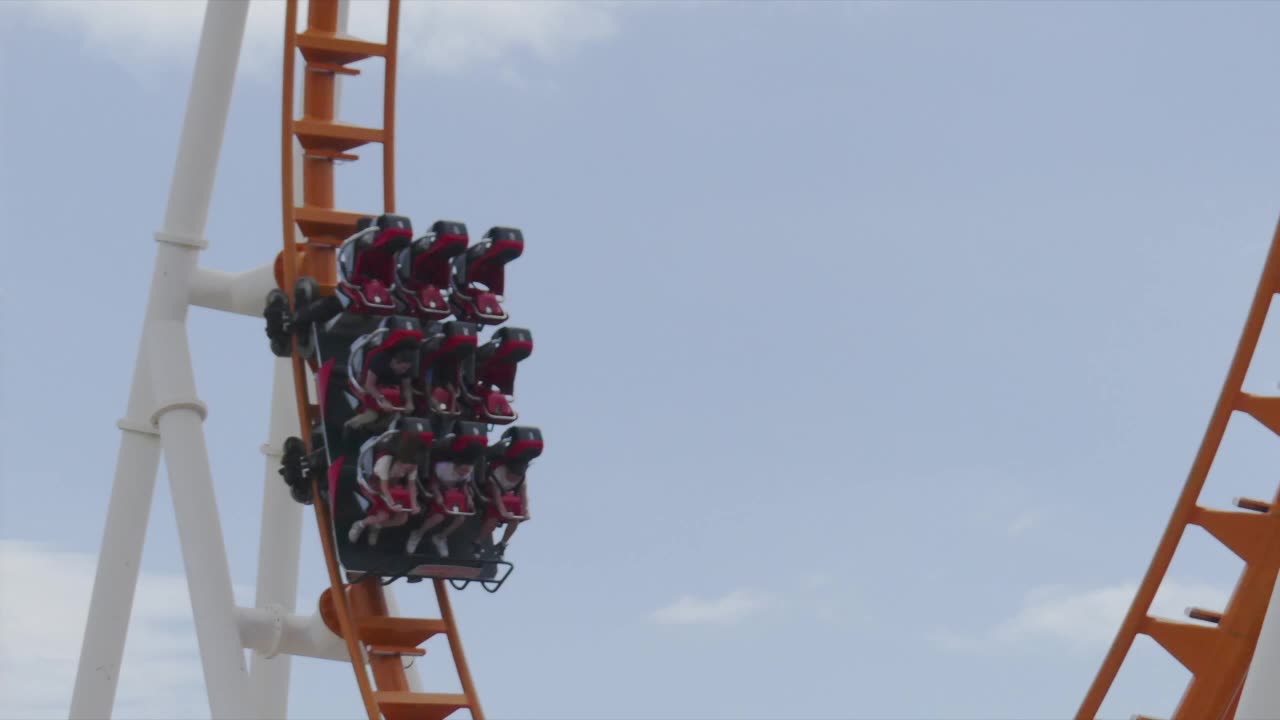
pixel 371 387
pixel 382 471
pixel 406 394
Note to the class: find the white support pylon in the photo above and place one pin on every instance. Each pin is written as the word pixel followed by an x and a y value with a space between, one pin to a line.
pixel 116 579
pixel 1260 696
pixel 163 399
pixel 279 548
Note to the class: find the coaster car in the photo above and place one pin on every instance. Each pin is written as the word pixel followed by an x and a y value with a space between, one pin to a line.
pixel 464 442
pixel 422 270
pixel 385 444
pixel 446 355
pixel 518 445
pixel 394 334
pixel 488 392
pixel 479 278
pixel 367 264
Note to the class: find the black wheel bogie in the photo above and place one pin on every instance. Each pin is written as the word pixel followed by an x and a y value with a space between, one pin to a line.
pixel 301 493
pixel 279 323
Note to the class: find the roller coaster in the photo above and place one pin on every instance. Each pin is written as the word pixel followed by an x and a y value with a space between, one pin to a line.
pixel 355 293
pixel 384 400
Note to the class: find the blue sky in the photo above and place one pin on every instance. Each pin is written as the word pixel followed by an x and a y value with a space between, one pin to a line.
pixel 873 341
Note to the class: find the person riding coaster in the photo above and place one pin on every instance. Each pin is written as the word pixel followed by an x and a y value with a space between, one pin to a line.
pixel 503 493
pixel 366 285
pixel 489 382
pixel 422 270
pixel 380 372
pixel 446 357
pixel 479 279
pixel 388 478
pixel 451 484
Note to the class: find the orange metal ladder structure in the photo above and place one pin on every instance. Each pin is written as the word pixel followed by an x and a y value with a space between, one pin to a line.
pixel 1217 649
pixel 357 611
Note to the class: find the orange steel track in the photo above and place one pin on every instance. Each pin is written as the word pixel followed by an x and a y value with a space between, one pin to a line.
pixel 1217 650
pixel 356 611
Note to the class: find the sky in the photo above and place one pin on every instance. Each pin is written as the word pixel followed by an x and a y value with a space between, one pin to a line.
pixel 873 341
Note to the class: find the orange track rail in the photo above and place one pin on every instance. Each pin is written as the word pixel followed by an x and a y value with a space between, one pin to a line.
pixel 357 612
pixel 1218 653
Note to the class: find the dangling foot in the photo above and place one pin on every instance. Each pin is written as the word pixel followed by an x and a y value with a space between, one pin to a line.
pixel 442 545
pixel 356 528
pixel 499 549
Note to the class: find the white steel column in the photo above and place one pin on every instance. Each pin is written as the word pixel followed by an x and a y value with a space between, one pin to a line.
pixel 242 293
pixel 111 603
pixel 1260 698
pixel 180 416
pixel 273 633
pixel 279 549
pixel 127 515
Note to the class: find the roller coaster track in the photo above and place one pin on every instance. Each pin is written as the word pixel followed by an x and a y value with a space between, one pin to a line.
pixel 356 611
pixel 1218 648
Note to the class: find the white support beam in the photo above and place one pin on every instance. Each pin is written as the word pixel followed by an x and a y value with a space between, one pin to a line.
pixel 1260 697
pixel 116 580
pixel 180 417
pixel 242 293
pixel 273 633
pixel 163 398
pixel 279 549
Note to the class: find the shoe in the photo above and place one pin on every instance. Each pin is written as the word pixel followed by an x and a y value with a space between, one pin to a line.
pixel 499 549
pixel 442 545
pixel 354 533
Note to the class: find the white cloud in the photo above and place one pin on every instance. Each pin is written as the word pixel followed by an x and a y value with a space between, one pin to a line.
pixel 44 599
pixel 450 35
pixel 439 36
pixel 1080 620
pixel 727 610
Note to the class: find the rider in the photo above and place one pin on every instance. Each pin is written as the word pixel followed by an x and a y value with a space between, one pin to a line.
pixel 395 482
pixel 508 497
pixel 448 484
pixel 394 369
